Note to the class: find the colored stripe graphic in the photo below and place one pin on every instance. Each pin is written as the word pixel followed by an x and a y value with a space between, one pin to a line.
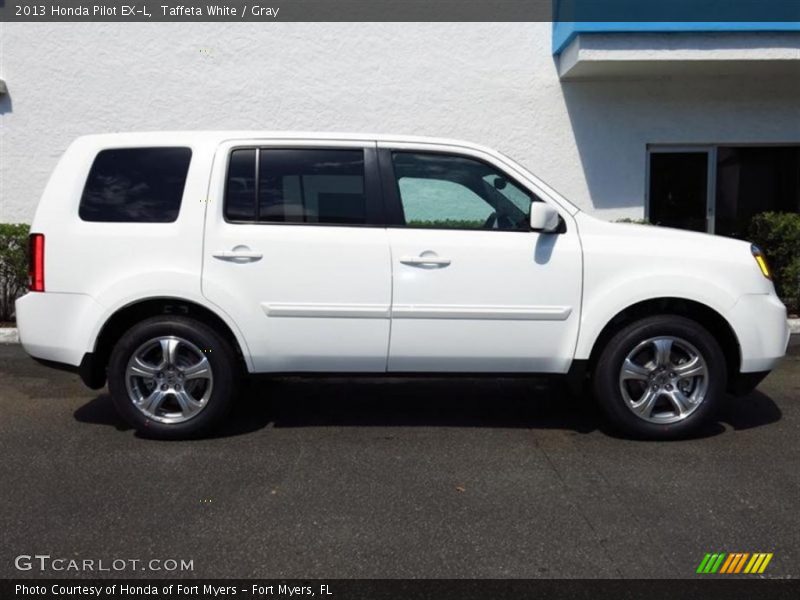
pixel 755 559
pixel 741 562
pixel 727 564
pixel 734 562
pixel 749 567
pixel 730 564
pixel 760 562
pixel 717 563
pixel 764 564
pixel 703 563
pixel 710 563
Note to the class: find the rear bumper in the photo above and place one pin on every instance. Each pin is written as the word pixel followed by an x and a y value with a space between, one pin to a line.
pixel 759 321
pixel 57 327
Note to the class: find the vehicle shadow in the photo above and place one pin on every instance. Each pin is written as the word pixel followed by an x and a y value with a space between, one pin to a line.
pixel 100 411
pixel 428 402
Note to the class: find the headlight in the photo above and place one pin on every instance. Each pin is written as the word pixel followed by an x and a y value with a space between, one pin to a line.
pixel 761 260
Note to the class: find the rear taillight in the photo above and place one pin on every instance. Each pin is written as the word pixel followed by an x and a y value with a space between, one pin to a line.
pixel 36 262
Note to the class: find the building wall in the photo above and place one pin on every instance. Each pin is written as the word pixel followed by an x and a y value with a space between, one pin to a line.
pixel 492 83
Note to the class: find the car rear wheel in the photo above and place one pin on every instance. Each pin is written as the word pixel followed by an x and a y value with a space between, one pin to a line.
pixel 661 378
pixel 172 377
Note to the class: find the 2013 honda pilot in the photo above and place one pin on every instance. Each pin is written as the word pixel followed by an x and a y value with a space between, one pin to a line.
pixel 171 265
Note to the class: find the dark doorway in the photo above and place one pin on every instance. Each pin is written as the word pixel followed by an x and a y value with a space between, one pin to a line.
pixel 678 194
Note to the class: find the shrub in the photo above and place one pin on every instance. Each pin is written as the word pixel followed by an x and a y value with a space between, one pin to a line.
pixel 778 235
pixel 13 266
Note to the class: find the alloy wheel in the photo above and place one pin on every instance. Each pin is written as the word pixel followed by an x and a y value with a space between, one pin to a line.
pixel 664 379
pixel 169 379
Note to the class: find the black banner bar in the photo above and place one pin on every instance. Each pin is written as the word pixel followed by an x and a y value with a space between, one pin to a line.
pixel 778 11
pixel 731 588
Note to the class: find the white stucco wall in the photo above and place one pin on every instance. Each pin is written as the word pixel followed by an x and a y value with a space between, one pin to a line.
pixel 492 83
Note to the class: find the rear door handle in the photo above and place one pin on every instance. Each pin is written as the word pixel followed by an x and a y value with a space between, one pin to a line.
pixel 421 261
pixel 233 254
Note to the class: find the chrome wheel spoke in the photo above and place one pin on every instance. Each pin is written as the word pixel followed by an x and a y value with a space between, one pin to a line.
pixel 630 370
pixel 199 370
pixel 153 402
pixel 169 350
pixel 189 406
pixel 680 402
pixel 644 406
pixel 692 368
pixel 139 368
pixel 663 351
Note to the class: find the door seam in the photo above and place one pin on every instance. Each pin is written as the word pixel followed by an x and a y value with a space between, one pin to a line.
pixel 391 298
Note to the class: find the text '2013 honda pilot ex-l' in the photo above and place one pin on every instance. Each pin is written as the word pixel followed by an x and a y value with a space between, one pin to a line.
pixel 172 265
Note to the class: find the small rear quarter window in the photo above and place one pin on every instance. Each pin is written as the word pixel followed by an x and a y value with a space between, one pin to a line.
pixel 135 185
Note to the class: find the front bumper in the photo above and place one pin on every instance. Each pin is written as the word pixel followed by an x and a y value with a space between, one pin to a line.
pixel 759 321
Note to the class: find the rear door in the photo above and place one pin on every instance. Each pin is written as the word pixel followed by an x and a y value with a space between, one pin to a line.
pixel 296 253
pixel 474 288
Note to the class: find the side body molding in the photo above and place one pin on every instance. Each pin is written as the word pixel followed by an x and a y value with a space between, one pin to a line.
pixel 411 311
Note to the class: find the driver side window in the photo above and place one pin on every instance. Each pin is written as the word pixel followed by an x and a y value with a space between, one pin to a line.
pixel 442 191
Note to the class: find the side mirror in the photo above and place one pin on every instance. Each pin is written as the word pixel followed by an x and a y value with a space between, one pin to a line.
pixel 544 218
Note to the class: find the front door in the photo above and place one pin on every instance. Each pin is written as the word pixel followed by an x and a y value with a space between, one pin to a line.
pixel 474 289
pixel 293 254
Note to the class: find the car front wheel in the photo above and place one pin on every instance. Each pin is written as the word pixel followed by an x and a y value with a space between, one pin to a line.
pixel 661 378
pixel 172 377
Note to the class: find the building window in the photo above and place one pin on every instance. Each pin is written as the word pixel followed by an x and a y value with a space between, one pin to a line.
pixel 755 180
pixel 719 189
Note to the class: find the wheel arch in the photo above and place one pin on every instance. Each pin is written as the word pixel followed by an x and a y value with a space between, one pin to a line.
pixel 716 324
pixel 123 318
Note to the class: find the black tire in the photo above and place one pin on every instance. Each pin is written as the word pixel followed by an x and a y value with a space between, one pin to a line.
pixel 607 386
pixel 223 366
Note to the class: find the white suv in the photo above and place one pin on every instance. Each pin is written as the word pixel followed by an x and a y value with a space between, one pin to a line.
pixel 174 264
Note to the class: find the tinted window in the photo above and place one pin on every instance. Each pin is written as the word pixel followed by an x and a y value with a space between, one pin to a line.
pixel 240 193
pixel 297 186
pixel 142 185
pixel 455 192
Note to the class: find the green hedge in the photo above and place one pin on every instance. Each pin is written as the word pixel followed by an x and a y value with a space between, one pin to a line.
pixel 778 235
pixel 13 266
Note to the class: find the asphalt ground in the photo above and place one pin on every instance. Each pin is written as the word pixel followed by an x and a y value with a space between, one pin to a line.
pixel 444 478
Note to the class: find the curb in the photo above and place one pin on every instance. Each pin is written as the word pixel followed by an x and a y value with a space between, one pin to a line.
pixel 9 335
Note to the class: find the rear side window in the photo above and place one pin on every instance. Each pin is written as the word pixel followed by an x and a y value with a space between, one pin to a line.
pixel 240 192
pixel 296 186
pixel 135 185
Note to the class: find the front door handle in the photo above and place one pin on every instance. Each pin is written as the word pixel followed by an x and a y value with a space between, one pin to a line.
pixel 425 260
pixel 240 253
